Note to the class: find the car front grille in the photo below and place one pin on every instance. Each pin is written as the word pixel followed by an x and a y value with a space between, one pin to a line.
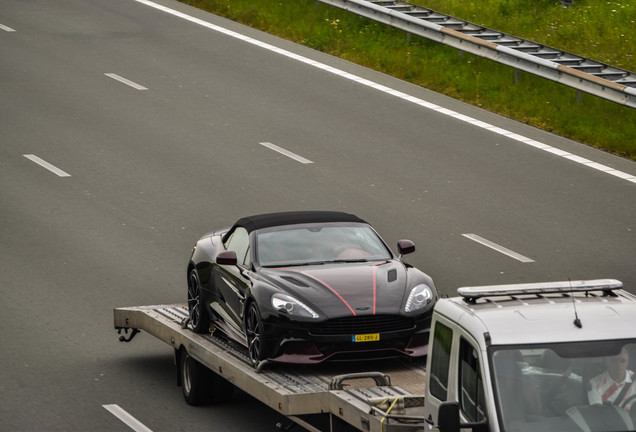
pixel 363 324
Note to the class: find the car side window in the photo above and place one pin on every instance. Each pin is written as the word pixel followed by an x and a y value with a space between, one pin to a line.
pixel 440 362
pixel 239 242
pixel 471 386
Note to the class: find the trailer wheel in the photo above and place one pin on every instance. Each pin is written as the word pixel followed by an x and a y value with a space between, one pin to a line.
pixel 254 332
pixel 195 380
pixel 199 384
pixel 222 390
pixel 199 317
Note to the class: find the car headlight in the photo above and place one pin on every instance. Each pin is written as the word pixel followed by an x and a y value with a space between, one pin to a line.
pixel 291 306
pixel 419 297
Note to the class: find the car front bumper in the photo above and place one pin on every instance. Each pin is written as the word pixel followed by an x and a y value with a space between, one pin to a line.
pixel 295 343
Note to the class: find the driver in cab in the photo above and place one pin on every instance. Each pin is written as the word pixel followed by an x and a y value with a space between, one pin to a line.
pixel 615 385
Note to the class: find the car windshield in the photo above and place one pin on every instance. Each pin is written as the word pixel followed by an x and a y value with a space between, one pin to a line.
pixel 566 387
pixel 308 244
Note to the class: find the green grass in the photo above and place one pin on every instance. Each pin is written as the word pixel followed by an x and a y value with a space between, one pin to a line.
pixel 475 80
pixel 600 30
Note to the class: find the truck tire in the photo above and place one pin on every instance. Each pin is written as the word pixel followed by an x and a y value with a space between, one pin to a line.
pixel 195 378
pixel 199 317
pixel 221 390
pixel 200 385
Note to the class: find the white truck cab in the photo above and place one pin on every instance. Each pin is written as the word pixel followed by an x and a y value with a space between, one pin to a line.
pixel 533 357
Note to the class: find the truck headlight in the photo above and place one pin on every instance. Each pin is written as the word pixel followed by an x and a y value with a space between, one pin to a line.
pixel 288 304
pixel 419 297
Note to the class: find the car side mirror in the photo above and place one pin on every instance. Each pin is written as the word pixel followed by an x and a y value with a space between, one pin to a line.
pixel 226 258
pixel 405 247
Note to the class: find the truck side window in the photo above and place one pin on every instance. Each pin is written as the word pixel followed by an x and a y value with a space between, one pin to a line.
pixel 471 387
pixel 440 362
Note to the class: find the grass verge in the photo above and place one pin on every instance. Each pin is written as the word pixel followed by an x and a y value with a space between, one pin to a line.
pixel 523 97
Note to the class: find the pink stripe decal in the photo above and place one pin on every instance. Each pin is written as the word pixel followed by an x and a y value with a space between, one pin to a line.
pixel 332 290
pixel 375 266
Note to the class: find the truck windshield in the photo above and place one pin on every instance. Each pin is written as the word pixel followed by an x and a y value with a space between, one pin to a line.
pixel 566 387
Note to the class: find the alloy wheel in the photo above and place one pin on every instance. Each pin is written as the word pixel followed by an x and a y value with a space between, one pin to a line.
pixel 253 331
pixel 194 291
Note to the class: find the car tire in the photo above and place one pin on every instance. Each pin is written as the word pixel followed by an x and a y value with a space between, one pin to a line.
pixel 254 332
pixel 195 380
pixel 199 317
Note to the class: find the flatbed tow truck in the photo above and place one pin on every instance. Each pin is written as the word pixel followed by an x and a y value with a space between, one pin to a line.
pixel 297 392
pixel 548 338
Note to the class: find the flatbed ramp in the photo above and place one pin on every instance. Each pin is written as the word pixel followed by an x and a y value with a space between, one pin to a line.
pixel 383 396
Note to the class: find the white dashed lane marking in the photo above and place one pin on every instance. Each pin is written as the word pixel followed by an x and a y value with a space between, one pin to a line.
pixel 498 248
pixel 47 165
pixel 126 81
pixel 286 152
pixel 122 415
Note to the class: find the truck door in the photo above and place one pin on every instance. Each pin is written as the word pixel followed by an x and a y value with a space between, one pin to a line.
pixel 454 375
pixel 470 384
pixel 438 370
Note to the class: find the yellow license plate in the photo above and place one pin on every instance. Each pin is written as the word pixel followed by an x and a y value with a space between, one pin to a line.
pixel 366 337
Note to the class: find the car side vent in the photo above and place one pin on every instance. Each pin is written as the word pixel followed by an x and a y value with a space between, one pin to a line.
pixel 295 281
pixel 392 275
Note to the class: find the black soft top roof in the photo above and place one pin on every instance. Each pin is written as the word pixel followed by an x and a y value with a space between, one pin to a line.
pixel 255 222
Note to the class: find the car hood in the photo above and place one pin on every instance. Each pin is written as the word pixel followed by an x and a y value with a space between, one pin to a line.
pixel 345 289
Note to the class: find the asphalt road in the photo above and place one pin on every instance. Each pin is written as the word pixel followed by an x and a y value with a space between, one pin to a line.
pixel 153 125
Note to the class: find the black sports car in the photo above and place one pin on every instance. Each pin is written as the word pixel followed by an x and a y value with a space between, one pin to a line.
pixel 303 287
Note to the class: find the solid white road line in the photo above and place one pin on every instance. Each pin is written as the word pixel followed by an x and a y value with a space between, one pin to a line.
pixel 125 81
pixel 122 415
pixel 498 248
pixel 5 28
pixel 404 96
pixel 286 152
pixel 47 165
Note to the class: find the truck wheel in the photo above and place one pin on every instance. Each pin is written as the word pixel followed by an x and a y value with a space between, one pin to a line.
pixel 254 332
pixel 221 390
pixel 199 317
pixel 195 380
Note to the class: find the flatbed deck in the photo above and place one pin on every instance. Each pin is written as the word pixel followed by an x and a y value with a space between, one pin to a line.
pixel 373 396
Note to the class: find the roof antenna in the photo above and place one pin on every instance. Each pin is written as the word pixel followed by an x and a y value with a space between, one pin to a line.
pixel 577 321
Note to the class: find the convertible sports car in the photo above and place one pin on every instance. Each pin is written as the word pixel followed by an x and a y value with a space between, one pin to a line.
pixel 304 287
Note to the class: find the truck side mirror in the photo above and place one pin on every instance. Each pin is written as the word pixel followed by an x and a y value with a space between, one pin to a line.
pixel 405 247
pixel 226 258
pixel 448 417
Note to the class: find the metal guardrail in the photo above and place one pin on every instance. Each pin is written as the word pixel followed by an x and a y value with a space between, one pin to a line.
pixel 590 76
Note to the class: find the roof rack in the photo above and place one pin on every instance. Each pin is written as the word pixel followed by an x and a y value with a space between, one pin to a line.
pixel 473 293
